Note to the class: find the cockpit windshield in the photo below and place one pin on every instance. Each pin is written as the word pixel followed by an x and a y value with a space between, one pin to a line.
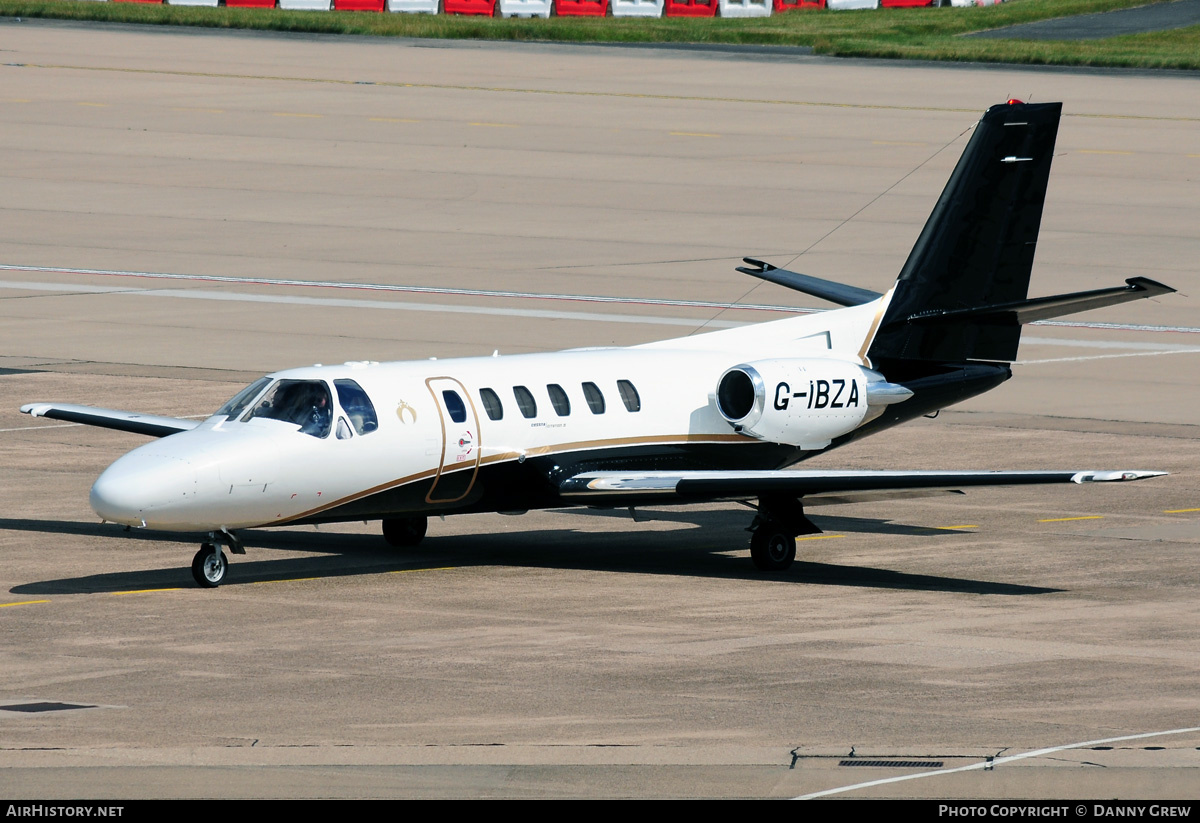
pixel 357 405
pixel 306 403
pixel 243 398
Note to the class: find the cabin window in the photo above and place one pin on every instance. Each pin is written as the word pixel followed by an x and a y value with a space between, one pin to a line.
pixel 455 406
pixel 594 397
pixel 629 396
pixel 525 401
pixel 357 406
pixel 491 404
pixel 304 403
pixel 244 398
pixel 559 399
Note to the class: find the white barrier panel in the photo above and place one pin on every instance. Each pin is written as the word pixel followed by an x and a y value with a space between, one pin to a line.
pixel 524 8
pixel 850 5
pixel 212 3
pixel 414 6
pixel 745 8
pixel 306 5
pixel 637 8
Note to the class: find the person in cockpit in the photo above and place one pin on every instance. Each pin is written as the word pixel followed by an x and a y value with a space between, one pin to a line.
pixel 315 414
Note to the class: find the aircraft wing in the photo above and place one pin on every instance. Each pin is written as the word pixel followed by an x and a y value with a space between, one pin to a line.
pixel 151 424
pixel 739 485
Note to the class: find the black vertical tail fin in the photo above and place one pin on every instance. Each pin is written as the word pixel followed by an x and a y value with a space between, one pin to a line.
pixel 977 247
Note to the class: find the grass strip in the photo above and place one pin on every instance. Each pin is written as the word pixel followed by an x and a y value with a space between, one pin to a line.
pixel 920 34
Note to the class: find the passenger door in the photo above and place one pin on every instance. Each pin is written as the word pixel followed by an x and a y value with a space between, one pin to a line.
pixel 460 441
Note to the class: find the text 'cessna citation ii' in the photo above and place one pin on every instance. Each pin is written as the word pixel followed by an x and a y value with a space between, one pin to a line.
pixel 717 416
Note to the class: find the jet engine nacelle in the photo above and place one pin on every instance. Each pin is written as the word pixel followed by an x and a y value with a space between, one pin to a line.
pixel 802 402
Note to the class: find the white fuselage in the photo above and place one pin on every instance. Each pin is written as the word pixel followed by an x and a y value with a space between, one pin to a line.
pixel 248 469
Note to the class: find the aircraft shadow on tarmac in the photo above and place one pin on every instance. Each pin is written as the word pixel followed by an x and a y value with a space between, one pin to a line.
pixel 637 552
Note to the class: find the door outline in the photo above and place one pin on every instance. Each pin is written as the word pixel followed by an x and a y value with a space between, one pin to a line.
pixel 471 426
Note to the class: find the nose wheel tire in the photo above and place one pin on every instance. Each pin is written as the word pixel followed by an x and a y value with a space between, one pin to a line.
pixel 402 532
pixel 209 566
pixel 772 549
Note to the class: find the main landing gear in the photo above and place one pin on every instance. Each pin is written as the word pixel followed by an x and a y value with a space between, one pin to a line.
pixel 405 532
pixel 210 564
pixel 774 530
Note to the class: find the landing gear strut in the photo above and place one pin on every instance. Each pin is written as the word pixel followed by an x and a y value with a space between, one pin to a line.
pixel 210 564
pixel 404 532
pixel 774 530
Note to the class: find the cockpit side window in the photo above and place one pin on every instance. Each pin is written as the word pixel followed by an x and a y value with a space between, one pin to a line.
pixel 243 398
pixel 357 405
pixel 305 403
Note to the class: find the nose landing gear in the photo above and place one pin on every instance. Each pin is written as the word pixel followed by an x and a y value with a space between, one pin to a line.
pixel 210 564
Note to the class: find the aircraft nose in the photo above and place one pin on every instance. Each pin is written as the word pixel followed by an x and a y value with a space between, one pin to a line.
pixel 133 488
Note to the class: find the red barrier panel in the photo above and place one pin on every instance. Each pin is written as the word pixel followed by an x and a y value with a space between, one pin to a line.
pixel 485 7
pixel 357 5
pixel 251 4
pixel 690 8
pixel 792 5
pixel 580 8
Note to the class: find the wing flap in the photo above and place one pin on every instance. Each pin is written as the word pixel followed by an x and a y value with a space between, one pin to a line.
pixel 135 422
pixel 734 485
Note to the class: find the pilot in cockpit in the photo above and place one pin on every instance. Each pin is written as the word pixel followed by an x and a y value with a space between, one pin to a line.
pixel 314 414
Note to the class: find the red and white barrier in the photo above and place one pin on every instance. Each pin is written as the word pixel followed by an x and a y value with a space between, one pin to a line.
pixel 745 8
pixel 690 8
pixel 580 8
pixel 411 6
pixel 487 8
pixel 637 8
pixel 525 8
pixel 305 5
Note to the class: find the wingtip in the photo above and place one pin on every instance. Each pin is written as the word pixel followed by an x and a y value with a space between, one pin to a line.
pixel 1114 476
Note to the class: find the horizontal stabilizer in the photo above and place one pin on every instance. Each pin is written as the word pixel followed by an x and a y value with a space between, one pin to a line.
pixel 1020 312
pixel 838 293
pixel 150 424
pixel 736 485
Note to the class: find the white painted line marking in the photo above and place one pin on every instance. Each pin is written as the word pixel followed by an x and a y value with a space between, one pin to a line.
pixel 336 302
pixel 331 284
pixel 580 298
pixel 996 762
pixel 1104 357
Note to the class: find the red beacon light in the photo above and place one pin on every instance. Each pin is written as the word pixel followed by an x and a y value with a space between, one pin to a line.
pixel 1012 101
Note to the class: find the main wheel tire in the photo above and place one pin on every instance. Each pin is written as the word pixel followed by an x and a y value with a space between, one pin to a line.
pixel 772 549
pixel 404 532
pixel 209 566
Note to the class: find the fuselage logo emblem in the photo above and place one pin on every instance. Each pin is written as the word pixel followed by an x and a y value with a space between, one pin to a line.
pixel 404 407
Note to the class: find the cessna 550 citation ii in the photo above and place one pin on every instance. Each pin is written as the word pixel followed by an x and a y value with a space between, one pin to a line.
pixel 717 416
